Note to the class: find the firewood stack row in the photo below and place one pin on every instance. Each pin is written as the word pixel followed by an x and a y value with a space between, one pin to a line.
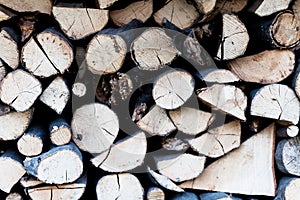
pixel 172 99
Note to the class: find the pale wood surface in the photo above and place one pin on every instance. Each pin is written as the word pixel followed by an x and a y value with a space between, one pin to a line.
pixel 175 144
pixel 79 89
pixel 9 52
pixel 206 6
pixel 288 131
pixel 218 76
pixel 155 193
pixel 44 6
pixel 14 196
pixel 60 132
pixel 288 189
pixel 268 7
pixel 106 3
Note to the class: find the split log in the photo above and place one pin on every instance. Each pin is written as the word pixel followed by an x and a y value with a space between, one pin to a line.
pixel 155 193
pixel 11 170
pixel 79 89
pixel 287 156
pixel 260 181
pixel 106 54
pixel 218 141
pixel 13 124
pixel 20 89
pixel 288 188
pixel 178 167
pixel 94 127
pixel 288 131
pixel 191 121
pixel 162 125
pixel 28 6
pixel 278 64
pixel 56 95
pixel 173 88
pixel 234 39
pixel 276 101
pixel 217 196
pixel 106 3
pixel 46 54
pixel 140 10
pixel 175 144
pixel 71 21
pixel 119 186
pixel 14 196
pixel 226 98
pixel 5 14
pixel 205 6
pixel 60 132
pixel 125 155
pixel 9 53
pixel 32 141
pixel 62 164
pixel 268 7
pixel 153 49
pixel 179 12
pixel 218 76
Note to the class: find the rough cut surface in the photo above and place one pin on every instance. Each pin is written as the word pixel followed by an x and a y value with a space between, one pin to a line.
pixel 28 5
pixel 268 7
pixel 9 52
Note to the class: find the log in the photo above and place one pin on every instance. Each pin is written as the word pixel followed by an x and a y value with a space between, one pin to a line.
pixel 106 54
pixel 179 12
pixel 125 155
pixel 14 124
pixel 225 98
pixel 175 144
pixel 218 141
pixel 62 164
pixel 28 6
pixel 191 121
pixel 178 167
pixel 2 72
pixel 106 3
pixel 234 39
pixel 71 21
pixel 32 141
pixel 296 9
pixel 288 131
pixel 205 6
pixel 217 196
pixel 296 80
pixel 56 95
pixel 60 132
pixel 5 15
pixel 287 156
pixel 276 101
pixel 11 170
pixel 9 53
pixel 140 10
pixel 218 76
pixel 268 7
pixel 46 54
pixel 94 127
pixel 26 24
pixel 121 186
pixel 155 193
pixel 288 188
pixel 278 64
pixel 14 196
pixel 242 169
pixel 19 89
pixel 153 49
pixel 79 89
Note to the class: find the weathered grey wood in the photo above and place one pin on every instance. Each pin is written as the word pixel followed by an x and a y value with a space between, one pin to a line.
pixel 288 131
pixel 288 188
pixel 155 193
pixel 28 6
pixel 268 7
pixel 60 132
pixel 218 76
pixel 9 53
pixel 175 144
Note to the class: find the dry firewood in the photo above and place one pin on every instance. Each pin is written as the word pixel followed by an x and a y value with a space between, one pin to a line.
pixel 175 144
pixel 190 120
pixel 217 196
pixel 26 24
pixel 288 131
pixel 288 188
pixel 9 53
pixel 5 14
pixel 60 132
pixel 276 101
pixel 252 178
pixel 56 95
pixel 119 186
pixel 125 155
pixel 268 7
pixel 13 124
pixel 178 167
pixel 234 39
pixel 218 141
pixel 94 127
pixel 179 12
pixel 2 71
pixel 11 170
pixel 106 53
pixel 46 54
pixel 28 6
pixel 296 80
pixel 278 64
pixel 287 156
pixel 218 76
pixel 141 10
pixel 105 3
pixel 62 164
pixel 14 196
pixel 155 193
pixel 32 141
pixel 71 21
pixel 226 98
pixel 205 6
pixel 153 49
pixel 296 10
pixel 79 89
pixel 20 89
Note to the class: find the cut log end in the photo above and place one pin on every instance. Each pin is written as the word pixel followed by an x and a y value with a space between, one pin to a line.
pixel 155 193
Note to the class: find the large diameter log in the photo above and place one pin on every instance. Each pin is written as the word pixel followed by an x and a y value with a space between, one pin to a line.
pixel 62 164
pixel 28 6
pixel 20 89
pixel 60 132
pixel 242 169
pixel 71 21
pixel 155 193
pixel 9 53
pixel 276 101
pixel 268 7
pixel 119 186
pixel 94 127
pixel 288 188
pixel 278 64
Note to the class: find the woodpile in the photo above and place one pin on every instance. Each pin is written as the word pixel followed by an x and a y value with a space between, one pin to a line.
pixel 144 99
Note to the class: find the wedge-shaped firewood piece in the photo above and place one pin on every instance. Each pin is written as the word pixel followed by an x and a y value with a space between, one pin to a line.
pixel 9 52
pixel 288 188
pixel 178 167
pixel 60 132
pixel 278 64
pixel 218 76
pixel 155 193
pixel 276 101
pixel 218 141
pixel 119 186
pixel 62 164
pixel 28 6
pixel 125 155
pixel 296 80
pixel 190 120
pixel 249 169
pixel 226 98
pixel 106 3
pixel 268 7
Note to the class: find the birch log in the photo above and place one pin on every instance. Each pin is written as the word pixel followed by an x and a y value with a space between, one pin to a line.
pixel 60 132
pixel 288 188
pixel 9 53
pixel 268 7
pixel 28 6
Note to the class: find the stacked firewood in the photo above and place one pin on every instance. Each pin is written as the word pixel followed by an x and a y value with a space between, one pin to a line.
pixel 145 99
